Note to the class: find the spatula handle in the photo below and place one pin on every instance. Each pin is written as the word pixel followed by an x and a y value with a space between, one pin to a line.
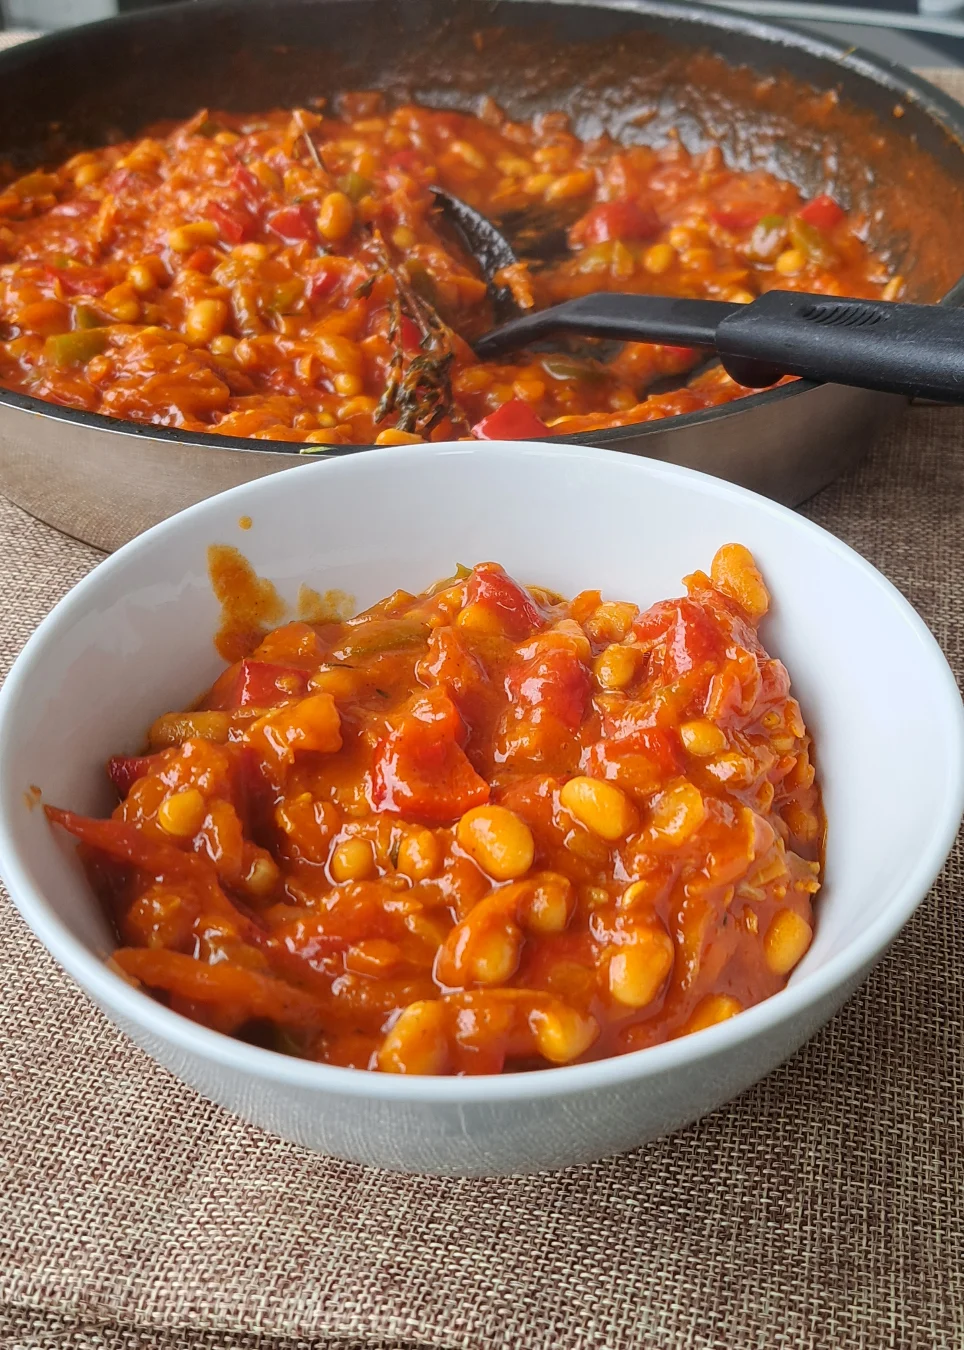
pixel 917 350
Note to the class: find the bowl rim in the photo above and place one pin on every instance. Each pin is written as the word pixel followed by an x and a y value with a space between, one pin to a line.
pixel 135 1006
pixel 905 84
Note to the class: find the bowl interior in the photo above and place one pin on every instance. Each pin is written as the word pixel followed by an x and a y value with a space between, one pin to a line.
pixel 135 640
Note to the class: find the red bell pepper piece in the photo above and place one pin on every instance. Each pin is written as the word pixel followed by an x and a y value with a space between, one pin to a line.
pixel 626 730
pixel 321 283
pixel 491 587
pixel 738 216
pixel 124 770
pixel 625 219
pixel 125 843
pixel 553 680
pixel 81 280
pixel 236 224
pixel 409 160
pixel 203 259
pixel 683 635
pixel 292 223
pixel 449 665
pixel 246 183
pixel 411 336
pixel 630 745
pixel 822 212
pixel 679 358
pixel 249 991
pixel 257 684
pixel 420 771
pixel 514 421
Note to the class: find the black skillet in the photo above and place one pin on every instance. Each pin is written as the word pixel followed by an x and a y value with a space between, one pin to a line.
pixel 830 118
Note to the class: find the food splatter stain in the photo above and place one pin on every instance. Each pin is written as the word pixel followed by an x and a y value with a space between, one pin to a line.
pixel 250 605
pixel 324 606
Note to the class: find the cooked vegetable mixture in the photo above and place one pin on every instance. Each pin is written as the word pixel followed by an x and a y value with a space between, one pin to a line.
pixel 473 830
pixel 287 276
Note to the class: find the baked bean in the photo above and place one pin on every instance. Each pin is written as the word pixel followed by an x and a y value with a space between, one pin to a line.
pixel 336 218
pixel 182 814
pixel 576 184
pixel 677 813
pixel 352 860
pixel 262 876
pixel 615 667
pixel 141 278
pixel 419 855
pixel 546 903
pixel 417 1042
pixel 122 303
pixel 186 238
pixel 701 737
pixel 611 622
pixel 89 173
pixel 392 436
pixel 563 1034
pixel 786 941
pixel 735 573
pixel 601 807
pixel 712 1009
pixel 205 320
pixel 639 969
pixel 659 258
pixel 469 154
pixel 498 841
pixel 176 728
pixel 790 262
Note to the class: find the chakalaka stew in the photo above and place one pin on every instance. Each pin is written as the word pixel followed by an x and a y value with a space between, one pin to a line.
pixel 474 830
pixel 287 276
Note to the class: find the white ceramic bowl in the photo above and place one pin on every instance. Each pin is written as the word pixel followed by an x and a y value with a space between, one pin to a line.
pixel 134 640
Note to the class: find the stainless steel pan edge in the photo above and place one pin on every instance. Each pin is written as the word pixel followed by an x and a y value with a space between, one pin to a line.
pixel 104 481
pixel 105 484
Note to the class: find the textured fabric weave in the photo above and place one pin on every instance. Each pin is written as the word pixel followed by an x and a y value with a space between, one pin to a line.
pixel 821 1211
pixel 13 36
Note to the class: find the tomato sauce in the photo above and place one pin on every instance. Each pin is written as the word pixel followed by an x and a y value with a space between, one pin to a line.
pixel 477 829
pixel 287 276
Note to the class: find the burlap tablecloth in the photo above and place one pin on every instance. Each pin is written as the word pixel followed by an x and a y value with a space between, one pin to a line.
pixel 822 1209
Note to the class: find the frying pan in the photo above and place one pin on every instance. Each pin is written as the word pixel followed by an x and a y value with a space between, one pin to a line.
pixel 823 115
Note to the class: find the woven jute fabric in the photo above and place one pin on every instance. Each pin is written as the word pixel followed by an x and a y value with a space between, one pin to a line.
pixel 820 1211
pixel 13 36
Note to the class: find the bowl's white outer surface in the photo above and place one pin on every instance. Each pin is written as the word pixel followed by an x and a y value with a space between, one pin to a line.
pixel 134 640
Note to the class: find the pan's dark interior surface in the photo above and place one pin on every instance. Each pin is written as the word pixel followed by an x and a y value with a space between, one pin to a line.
pixel 815 114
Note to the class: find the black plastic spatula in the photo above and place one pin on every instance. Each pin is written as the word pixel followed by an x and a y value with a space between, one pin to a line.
pixel 916 350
